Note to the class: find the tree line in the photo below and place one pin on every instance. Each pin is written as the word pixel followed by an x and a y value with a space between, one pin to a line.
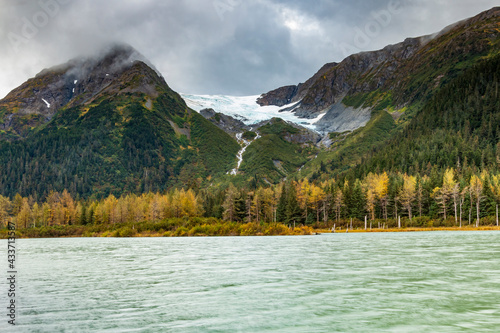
pixel 452 196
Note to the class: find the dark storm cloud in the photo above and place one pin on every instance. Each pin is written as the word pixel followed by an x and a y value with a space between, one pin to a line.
pixel 215 46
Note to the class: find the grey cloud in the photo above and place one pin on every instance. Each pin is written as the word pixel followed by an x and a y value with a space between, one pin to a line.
pixel 215 46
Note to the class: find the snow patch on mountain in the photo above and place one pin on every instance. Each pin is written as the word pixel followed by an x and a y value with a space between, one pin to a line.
pixel 246 109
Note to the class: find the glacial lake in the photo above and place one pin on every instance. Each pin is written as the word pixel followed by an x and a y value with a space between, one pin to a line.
pixel 380 282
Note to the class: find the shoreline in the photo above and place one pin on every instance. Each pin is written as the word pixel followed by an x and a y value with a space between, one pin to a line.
pixel 411 229
pixel 76 232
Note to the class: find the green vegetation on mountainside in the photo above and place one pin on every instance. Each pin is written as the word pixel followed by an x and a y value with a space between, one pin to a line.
pixel 459 127
pixel 418 77
pixel 115 147
pixel 349 149
pixel 273 157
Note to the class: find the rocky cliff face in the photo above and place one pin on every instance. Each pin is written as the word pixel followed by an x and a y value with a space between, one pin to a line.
pixel 226 123
pixel 340 118
pixel 334 81
pixel 279 97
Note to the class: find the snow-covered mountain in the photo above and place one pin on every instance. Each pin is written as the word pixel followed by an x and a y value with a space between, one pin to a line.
pixel 246 109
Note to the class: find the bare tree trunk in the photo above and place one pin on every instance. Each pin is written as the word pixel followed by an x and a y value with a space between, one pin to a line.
pixel 460 213
pixel 257 211
pixel 477 209
pixel 366 220
pixel 396 208
pixel 470 210
pixel 384 208
pixel 325 216
pixel 455 204
pixel 249 207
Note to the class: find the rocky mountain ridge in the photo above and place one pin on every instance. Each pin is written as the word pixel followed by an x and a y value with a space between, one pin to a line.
pixel 78 82
pixel 397 75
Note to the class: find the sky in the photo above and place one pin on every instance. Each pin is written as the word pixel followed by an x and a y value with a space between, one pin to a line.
pixel 230 47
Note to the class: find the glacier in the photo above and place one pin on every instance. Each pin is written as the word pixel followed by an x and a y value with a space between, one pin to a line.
pixel 246 109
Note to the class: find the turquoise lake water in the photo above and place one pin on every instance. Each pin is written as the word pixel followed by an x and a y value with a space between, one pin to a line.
pixel 385 282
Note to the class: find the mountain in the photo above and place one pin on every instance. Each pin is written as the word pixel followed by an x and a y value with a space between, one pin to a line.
pixel 78 82
pixel 106 124
pixel 369 99
pixel 394 79
pixel 110 124
pixel 459 127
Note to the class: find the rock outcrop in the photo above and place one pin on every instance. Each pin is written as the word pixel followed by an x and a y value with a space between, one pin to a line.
pixel 279 97
pixel 226 123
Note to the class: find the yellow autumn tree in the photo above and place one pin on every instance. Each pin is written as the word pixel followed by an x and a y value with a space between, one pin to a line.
pixel 5 205
pixel 408 193
pixel 443 194
pixel 110 209
pixel 190 205
pixel 68 207
pixel 338 203
pixel 303 189
pixel 154 208
pixel 476 187
pixel 382 190
pixel 24 216
pixel 369 186
pixel 268 203
pixel 495 189
pixel 316 198
pixel 229 204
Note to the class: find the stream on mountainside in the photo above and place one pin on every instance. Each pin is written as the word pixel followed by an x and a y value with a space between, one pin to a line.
pixel 245 145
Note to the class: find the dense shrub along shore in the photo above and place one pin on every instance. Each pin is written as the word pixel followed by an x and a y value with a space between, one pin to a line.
pixel 173 227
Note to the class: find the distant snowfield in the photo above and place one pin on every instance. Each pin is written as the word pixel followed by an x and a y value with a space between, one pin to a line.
pixel 245 108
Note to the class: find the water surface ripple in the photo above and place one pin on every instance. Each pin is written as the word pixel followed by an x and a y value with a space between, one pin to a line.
pixel 390 282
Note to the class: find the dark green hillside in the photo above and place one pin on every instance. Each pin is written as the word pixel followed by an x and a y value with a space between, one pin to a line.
pixel 272 156
pixel 459 127
pixel 128 142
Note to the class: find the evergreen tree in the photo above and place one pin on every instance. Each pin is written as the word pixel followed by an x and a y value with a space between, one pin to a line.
pixel 293 213
pixel 83 216
pixel 282 204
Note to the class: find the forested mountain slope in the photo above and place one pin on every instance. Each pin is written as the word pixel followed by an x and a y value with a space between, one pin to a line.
pixel 116 127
